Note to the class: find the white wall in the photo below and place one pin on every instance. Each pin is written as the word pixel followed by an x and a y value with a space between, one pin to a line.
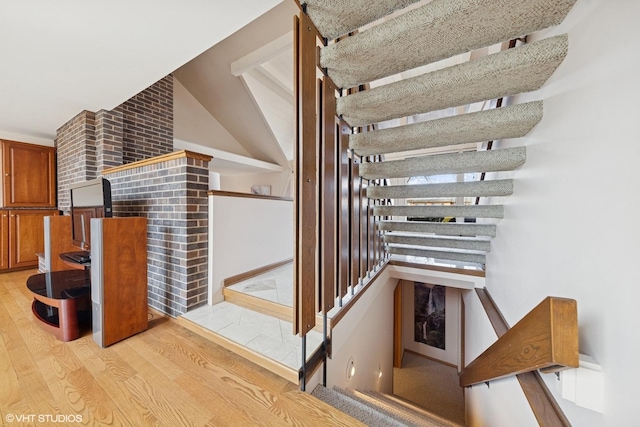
pixel 193 123
pixel 503 403
pixel 366 334
pixel 245 234
pixel 570 228
pixel 452 326
pixel 281 182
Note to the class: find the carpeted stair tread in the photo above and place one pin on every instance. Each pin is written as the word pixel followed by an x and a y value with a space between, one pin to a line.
pixel 439 228
pixel 502 187
pixel 443 255
pixel 438 30
pixel 518 70
pixel 408 406
pixel 499 123
pixel 355 409
pixel 334 18
pixel 472 211
pixel 398 412
pixel 474 161
pixel 438 242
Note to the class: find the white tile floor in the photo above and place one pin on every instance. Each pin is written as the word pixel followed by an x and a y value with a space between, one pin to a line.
pixel 263 334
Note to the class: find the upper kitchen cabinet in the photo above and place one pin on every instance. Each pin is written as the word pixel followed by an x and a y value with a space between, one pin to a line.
pixel 28 175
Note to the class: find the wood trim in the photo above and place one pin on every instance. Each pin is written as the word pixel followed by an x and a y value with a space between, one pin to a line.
pixel 544 406
pixel 475 273
pixel 398 347
pixel 255 272
pixel 498 322
pixel 247 195
pixel 159 159
pixel 546 337
pixel 259 305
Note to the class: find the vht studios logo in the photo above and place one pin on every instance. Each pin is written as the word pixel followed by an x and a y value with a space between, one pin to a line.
pixel 43 418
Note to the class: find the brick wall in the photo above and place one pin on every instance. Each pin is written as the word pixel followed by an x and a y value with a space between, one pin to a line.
pixel 172 195
pixel 139 128
pixel 109 134
pixel 148 122
pixel 76 153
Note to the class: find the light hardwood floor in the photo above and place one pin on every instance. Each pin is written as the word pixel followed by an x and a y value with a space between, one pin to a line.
pixel 165 376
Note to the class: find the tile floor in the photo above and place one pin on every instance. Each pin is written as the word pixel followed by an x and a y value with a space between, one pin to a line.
pixel 263 334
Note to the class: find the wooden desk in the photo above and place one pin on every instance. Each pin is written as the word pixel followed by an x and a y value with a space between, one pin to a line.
pixel 60 299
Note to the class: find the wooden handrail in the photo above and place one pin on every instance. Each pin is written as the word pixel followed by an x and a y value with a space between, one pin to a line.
pixel 546 338
pixel 544 406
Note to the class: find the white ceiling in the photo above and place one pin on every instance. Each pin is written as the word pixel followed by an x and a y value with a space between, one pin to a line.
pixel 61 57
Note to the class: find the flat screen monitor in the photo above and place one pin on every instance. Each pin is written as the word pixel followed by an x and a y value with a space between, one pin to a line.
pixel 89 199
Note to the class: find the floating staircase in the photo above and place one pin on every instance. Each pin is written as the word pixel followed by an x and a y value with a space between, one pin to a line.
pixel 384 58
pixel 379 409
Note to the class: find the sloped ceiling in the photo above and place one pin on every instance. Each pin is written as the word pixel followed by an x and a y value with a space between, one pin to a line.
pixel 209 79
pixel 61 57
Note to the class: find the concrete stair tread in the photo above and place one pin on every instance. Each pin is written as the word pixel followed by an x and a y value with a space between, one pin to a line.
pixel 503 187
pixel 470 211
pixel 439 228
pixel 448 255
pixel 518 70
pixel 482 245
pixel 474 161
pixel 435 31
pixel 334 18
pixel 489 125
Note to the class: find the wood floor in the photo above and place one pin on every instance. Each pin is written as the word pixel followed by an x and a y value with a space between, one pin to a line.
pixel 166 376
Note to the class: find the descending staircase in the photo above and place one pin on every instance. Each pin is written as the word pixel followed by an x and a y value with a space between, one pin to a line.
pixel 379 409
pixel 393 37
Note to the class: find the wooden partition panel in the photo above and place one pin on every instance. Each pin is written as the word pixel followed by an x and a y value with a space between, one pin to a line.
pixel 356 204
pixel 328 201
pixel 306 176
pixel 344 228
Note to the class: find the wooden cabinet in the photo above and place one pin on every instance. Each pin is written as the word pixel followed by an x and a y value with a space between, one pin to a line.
pixel 4 238
pixel 22 237
pixel 118 278
pixel 28 175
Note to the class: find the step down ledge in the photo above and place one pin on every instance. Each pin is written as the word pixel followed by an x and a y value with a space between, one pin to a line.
pixel 267 363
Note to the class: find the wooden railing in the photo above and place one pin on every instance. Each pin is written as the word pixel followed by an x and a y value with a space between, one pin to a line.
pixel 337 242
pixel 546 338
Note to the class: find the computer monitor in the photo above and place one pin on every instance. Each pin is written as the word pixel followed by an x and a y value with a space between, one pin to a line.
pixel 89 199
